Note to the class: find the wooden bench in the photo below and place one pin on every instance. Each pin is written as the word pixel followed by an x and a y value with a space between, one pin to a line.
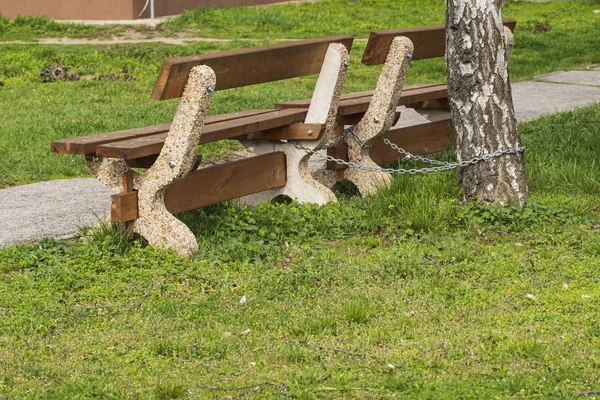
pixel 168 150
pixel 173 183
pixel 422 139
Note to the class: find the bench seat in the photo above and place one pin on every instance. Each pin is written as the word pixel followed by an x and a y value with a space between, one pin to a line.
pixel 352 106
pixel 254 124
pixel 87 145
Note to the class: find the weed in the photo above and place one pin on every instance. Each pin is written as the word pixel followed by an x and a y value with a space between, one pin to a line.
pixel 539 27
pixel 108 236
pixel 357 311
pixel 169 390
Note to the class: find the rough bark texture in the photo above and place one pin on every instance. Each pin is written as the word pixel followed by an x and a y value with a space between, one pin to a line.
pixel 481 102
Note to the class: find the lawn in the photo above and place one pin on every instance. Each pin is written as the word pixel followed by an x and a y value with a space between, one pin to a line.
pixel 404 294
pixel 35 113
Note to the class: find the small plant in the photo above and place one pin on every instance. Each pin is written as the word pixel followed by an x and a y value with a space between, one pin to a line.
pixel 107 236
pixel 169 390
pixel 357 311
pixel 534 213
pixel 541 27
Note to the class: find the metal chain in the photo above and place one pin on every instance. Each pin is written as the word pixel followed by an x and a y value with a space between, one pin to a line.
pixel 442 166
pixel 409 156
pixel 348 131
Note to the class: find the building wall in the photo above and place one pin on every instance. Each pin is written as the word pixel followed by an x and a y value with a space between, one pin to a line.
pixel 109 9
pixel 69 9
pixel 171 7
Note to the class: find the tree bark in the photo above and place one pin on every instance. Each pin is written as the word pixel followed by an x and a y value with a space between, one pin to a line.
pixel 481 102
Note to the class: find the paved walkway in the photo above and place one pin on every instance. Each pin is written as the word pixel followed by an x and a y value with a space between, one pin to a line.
pixel 59 208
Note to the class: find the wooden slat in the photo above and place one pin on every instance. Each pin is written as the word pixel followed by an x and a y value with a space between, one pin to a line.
pixel 443 104
pixel 146 146
pixel 361 104
pixel 345 120
pixel 288 132
pixel 144 162
pixel 243 67
pixel 227 181
pixel 429 42
pixel 88 144
pixel 349 96
pixel 421 139
pixel 212 185
pixel 306 102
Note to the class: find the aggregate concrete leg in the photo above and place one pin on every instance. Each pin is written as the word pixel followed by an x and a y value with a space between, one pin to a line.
pixel 508 42
pixel 110 171
pixel 175 161
pixel 379 117
pixel 301 185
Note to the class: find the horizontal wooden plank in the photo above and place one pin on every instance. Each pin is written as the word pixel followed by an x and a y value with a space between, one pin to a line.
pixel 88 144
pixel 288 132
pixel 421 139
pixel 361 104
pixel 306 102
pixel 144 162
pixel 407 93
pixel 243 67
pixel 428 41
pixel 149 145
pixel 227 181
pixel 212 185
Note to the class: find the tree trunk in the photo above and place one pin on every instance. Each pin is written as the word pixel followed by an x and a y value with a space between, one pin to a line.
pixel 481 102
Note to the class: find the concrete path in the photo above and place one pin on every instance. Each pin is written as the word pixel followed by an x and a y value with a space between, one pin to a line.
pixel 59 208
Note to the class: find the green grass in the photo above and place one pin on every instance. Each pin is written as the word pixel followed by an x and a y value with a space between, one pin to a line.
pixel 405 294
pixel 35 113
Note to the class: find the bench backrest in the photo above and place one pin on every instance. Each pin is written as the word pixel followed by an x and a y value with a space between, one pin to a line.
pixel 429 42
pixel 244 67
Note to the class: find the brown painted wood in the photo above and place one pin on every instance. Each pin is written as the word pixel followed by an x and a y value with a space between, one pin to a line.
pixel 410 94
pixel 361 104
pixel 227 181
pixel 128 188
pixel 128 181
pixel 124 207
pixel 88 144
pixel 429 104
pixel 340 151
pixel 243 67
pixel 421 139
pixel 306 102
pixel 289 132
pixel 212 185
pixel 147 162
pixel 146 146
pixel 144 162
pixel 429 42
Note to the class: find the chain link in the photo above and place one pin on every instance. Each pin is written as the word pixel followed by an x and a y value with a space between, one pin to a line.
pixel 440 165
